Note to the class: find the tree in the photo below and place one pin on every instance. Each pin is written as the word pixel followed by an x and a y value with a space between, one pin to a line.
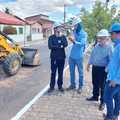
pixel 115 14
pixel 99 18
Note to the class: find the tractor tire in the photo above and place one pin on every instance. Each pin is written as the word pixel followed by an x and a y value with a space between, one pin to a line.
pixel 12 64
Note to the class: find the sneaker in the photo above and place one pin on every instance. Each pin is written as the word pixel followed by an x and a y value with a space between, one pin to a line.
pixel 101 106
pixel 92 99
pixel 71 88
pixel 79 90
pixel 50 90
pixel 61 90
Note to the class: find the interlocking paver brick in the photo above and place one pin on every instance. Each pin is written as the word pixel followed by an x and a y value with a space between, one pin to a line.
pixel 67 106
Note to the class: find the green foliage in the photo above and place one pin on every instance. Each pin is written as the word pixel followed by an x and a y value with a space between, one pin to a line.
pixel 99 18
pixel 115 14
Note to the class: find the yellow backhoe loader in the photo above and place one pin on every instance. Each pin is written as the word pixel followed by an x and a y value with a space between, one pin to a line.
pixel 12 56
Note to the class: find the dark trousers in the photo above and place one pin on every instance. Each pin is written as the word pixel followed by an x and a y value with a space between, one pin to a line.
pixel 98 80
pixel 57 65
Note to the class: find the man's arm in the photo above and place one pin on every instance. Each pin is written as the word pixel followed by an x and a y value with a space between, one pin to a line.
pixel 65 43
pixel 50 43
pixel 116 80
pixel 110 52
pixel 109 57
pixel 81 39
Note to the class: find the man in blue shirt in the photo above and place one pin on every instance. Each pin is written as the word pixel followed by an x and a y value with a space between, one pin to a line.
pixel 76 55
pixel 99 59
pixel 112 88
pixel 57 44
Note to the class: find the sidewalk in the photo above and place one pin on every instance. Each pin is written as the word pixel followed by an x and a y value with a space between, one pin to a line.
pixel 67 106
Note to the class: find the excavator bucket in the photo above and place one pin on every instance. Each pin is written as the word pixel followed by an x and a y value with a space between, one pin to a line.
pixel 31 57
pixel 12 55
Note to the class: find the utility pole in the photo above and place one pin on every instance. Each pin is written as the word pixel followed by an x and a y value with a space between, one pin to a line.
pixel 64 13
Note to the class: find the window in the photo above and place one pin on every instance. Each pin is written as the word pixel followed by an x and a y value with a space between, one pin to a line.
pixel 38 30
pixel 20 30
pixel 9 30
pixel 33 30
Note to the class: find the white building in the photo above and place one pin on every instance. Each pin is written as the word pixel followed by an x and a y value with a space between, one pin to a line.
pixel 20 30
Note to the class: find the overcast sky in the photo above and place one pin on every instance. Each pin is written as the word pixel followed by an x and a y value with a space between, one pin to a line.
pixel 53 8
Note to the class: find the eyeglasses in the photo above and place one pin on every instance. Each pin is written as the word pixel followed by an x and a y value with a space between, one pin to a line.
pixel 102 38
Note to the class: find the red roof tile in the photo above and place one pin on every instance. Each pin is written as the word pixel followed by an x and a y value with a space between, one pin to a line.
pixel 10 20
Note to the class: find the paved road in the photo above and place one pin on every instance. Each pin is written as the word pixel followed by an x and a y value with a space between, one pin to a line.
pixel 67 106
pixel 17 91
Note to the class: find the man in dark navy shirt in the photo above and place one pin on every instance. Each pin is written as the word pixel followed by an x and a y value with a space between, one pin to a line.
pixel 57 44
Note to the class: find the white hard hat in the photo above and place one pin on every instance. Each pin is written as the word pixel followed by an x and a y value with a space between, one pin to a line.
pixel 76 21
pixel 103 33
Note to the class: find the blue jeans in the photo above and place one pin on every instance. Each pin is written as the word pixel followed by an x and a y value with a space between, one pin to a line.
pixel 110 94
pixel 72 64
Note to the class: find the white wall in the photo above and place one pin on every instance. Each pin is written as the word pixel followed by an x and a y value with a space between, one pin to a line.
pixel 26 32
pixel 16 37
pixel 37 36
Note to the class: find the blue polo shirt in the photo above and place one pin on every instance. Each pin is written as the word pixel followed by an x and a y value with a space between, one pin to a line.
pixel 100 55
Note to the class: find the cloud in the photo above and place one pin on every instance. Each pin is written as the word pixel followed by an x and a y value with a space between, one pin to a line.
pixel 25 8
pixel 30 7
pixel 1 7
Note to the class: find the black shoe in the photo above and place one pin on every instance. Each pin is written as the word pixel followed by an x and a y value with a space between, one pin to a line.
pixel 115 117
pixel 92 99
pixel 50 90
pixel 71 88
pixel 61 90
pixel 101 106
pixel 106 118
pixel 79 90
